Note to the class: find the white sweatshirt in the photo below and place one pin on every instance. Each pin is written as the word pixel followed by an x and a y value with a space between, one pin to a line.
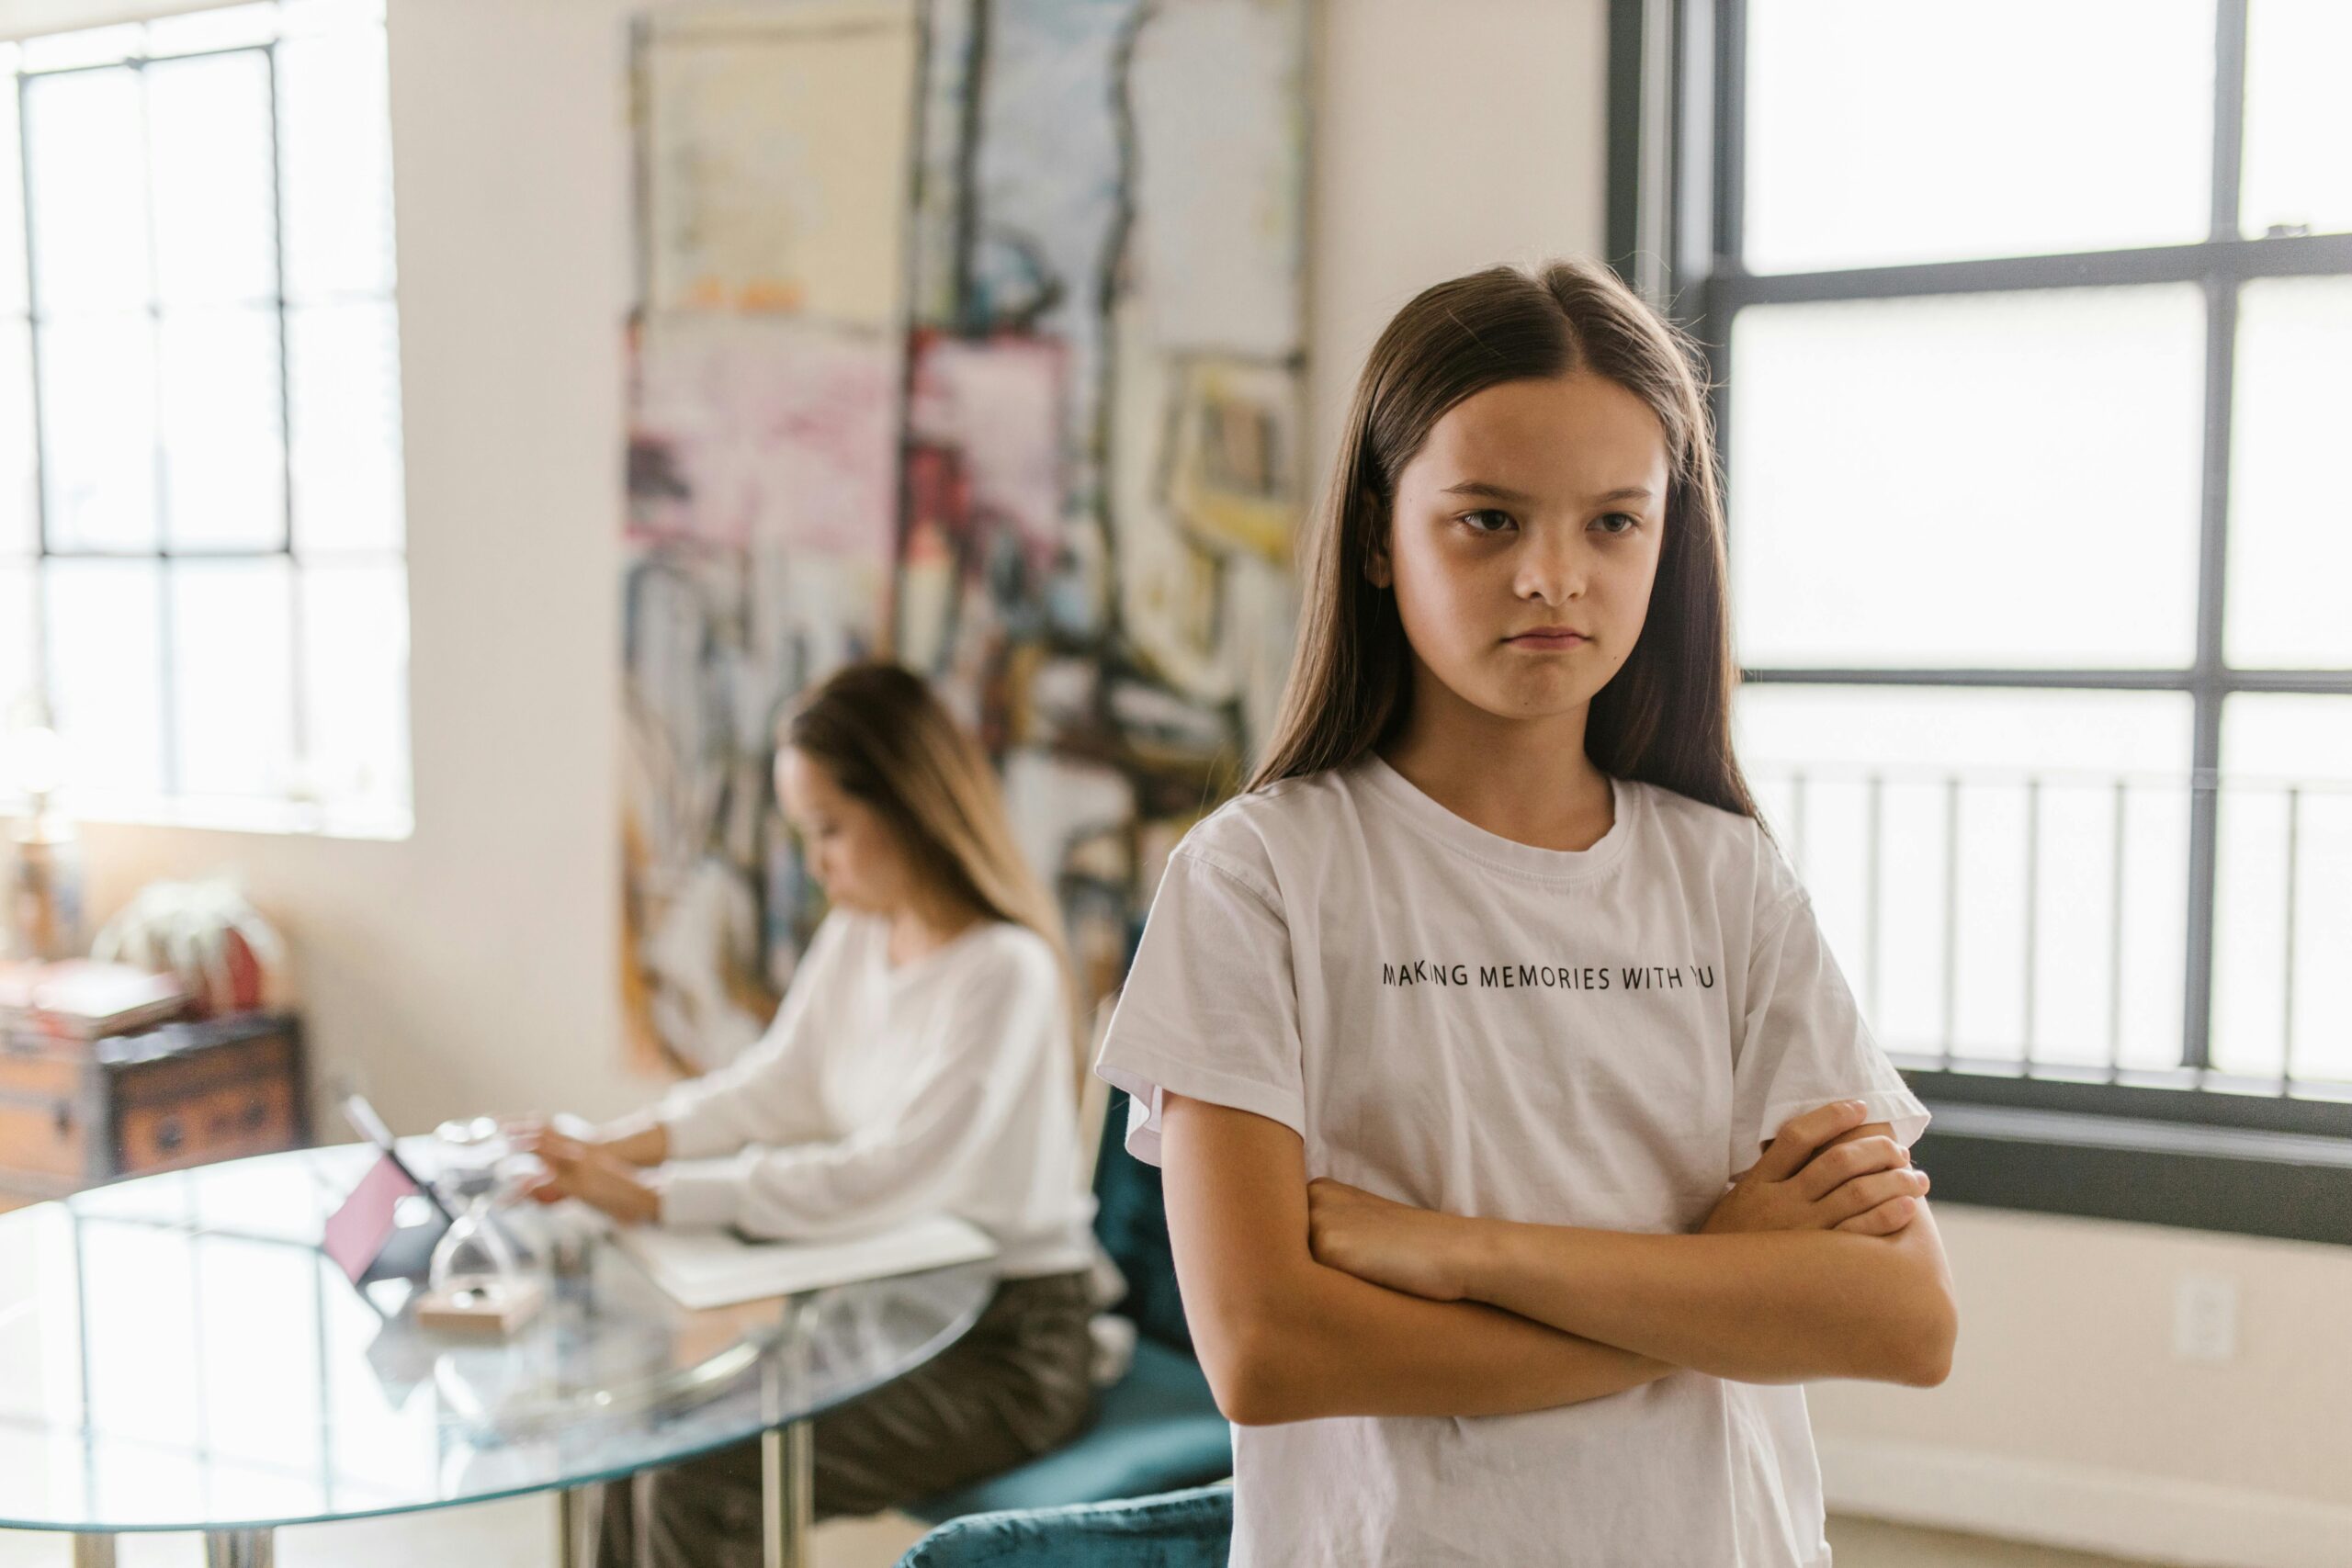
pixel 886 1092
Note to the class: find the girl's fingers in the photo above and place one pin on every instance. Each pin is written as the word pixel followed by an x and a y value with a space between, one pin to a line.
pixel 558 1151
pixel 542 1145
pixel 1837 1167
pixel 545 1189
pixel 1866 1192
pixel 1884 1220
pixel 1795 1142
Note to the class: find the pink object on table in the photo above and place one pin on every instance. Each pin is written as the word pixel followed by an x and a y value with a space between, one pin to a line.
pixel 357 1232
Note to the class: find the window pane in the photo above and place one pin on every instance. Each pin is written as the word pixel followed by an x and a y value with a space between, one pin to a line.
pixel 2290 523
pixel 1883 133
pixel 2100 982
pixel 98 389
pixel 2034 457
pixel 104 673
pixel 19 522
pixel 232 676
pixel 216 228
pixel 2271 744
pixel 88 196
pixel 224 457
pixel 343 378
pixel 18 626
pixel 2298 118
pixel 337 144
pixel 12 192
pixel 355 681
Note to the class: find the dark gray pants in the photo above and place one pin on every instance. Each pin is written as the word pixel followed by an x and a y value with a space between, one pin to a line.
pixel 1014 1387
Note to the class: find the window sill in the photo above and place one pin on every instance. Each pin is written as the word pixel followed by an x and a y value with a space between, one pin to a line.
pixel 229 815
pixel 2295 1185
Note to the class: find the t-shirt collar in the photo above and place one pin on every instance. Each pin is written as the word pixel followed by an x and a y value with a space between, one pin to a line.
pixel 1464 837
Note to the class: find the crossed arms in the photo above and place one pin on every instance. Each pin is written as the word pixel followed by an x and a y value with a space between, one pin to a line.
pixel 1318 1300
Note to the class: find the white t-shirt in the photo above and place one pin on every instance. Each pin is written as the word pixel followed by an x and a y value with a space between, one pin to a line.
pixel 1601 1037
pixel 882 1093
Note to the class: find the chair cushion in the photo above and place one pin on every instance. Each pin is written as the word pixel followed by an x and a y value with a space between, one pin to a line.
pixel 1156 1430
pixel 1182 1529
pixel 1131 1221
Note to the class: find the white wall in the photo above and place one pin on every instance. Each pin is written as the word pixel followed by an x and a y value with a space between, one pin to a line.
pixel 472 966
pixel 2068 1417
pixel 1451 134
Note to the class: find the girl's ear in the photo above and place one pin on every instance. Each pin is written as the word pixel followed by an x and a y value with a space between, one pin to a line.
pixel 1377 570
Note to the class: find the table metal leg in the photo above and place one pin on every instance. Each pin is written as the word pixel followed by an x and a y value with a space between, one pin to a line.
pixel 571 1518
pixel 239 1549
pixel 788 1495
pixel 93 1552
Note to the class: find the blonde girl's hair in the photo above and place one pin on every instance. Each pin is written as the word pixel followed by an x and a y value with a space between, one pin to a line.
pixel 884 738
pixel 1665 716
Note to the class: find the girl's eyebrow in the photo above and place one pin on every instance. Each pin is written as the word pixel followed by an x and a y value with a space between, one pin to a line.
pixel 1484 491
pixel 1498 493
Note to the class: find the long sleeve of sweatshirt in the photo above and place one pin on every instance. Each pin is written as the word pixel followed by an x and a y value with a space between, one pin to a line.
pixel 974 1084
pixel 773 1093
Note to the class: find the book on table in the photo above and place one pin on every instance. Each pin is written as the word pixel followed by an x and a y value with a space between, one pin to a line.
pixel 701 1267
pixel 78 999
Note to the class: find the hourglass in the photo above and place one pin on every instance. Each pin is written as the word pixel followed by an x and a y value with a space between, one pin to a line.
pixel 476 1280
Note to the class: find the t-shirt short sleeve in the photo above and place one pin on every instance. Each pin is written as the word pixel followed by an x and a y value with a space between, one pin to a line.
pixel 1210 1008
pixel 1804 1042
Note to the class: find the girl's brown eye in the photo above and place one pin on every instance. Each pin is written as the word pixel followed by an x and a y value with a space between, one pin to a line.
pixel 1485 522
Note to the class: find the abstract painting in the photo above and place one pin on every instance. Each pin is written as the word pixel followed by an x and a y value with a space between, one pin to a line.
pixel 969 333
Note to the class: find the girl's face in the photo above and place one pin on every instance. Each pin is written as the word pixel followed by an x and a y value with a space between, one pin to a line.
pixel 1525 541
pixel 845 843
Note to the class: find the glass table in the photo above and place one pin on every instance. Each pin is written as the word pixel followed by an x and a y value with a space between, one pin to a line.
pixel 176 1354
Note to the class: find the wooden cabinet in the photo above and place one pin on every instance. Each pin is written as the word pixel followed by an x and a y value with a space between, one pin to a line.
pixel 44 1128
pixel 72 1115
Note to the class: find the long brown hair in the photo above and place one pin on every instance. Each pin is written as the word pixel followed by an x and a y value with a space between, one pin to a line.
pixel 884 738
pixel 1665 716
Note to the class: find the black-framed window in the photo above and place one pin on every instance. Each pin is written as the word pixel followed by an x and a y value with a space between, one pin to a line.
pixel 203 584
pixel 2028 327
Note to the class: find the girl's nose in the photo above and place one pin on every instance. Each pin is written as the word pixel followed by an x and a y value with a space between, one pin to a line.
pixel 1551 570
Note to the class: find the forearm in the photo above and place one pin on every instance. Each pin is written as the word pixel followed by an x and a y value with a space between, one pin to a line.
pixel 1782 1307
pixel 1286 1337
pixel 892 1170
pixel 1318 1343
pixel 639 1140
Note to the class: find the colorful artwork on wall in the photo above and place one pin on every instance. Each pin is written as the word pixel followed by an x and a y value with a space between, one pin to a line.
pixel 970 333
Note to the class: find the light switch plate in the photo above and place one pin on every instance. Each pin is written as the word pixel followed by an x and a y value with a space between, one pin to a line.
pixel 2205 1317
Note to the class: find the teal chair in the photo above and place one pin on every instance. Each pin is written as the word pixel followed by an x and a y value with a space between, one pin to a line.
pixel 1183 1530
pixel 1158 1428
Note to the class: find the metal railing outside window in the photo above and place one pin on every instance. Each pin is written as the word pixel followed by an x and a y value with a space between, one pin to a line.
pixel 2104 260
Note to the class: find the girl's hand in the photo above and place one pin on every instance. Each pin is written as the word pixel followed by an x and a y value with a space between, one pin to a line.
pixel 636 1140
pixel 589 1172
pixel 1417 1251
pixel 1866 1185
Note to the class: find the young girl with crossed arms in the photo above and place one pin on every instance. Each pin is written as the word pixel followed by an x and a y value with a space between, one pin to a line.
pixel 1523 1145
